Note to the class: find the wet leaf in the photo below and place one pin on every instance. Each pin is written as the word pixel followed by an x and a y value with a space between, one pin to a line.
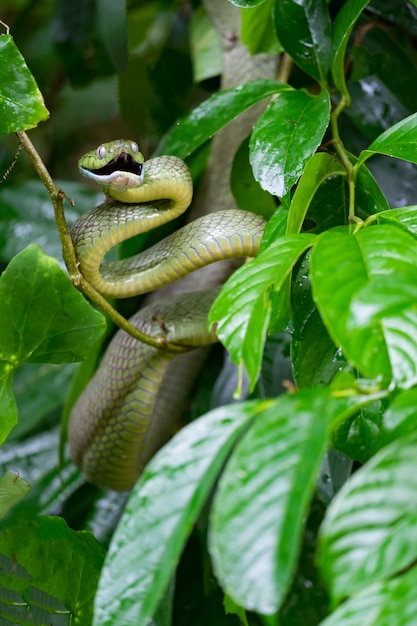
pixel 21 103
pixel 285 137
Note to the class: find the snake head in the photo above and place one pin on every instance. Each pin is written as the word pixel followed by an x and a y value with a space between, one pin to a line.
pixel 115 164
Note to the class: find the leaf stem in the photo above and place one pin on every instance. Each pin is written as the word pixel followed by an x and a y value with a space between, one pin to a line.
pixel 344 158
pixel 70 257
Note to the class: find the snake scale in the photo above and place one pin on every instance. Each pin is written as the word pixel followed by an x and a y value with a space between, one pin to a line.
pixel 126 412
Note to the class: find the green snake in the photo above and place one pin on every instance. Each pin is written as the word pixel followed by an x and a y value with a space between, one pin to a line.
pixel 119 421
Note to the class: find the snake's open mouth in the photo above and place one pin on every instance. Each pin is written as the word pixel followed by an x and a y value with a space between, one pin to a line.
pixel 124 162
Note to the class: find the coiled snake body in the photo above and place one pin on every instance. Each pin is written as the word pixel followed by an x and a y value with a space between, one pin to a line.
pixel 117 423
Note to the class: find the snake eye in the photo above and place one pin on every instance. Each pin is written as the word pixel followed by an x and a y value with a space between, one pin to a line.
pixel 134 146
pixel 101 152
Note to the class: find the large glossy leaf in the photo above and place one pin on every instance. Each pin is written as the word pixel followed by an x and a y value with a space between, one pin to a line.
pixel 43 318
pixel 370 530
pixel 342 28
pixel 37 572
pixel 160 513
pixel 304 29
pixel 264 493
pixel 366 301
pixel 399 141
pixel 214 113
pixel 21 102
pixel 242 314
pixel 286 136
pixel 383 604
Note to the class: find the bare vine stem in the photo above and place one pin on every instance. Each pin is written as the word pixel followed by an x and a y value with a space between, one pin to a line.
pixel 70 257
pixel 344 158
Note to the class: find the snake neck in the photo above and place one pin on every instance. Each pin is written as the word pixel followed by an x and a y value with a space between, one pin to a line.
pixel 164 194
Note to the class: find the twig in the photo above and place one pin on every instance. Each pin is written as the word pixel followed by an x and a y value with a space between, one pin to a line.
pixel 70 257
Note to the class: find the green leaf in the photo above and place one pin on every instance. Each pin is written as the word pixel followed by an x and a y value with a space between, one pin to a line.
pixel 369 197
pixel 375 329
pixel 304 29
pixel 242 314
pixel 112 28
pixel 370 530
pixel 21 102
pixel 214 113
pixel 160 513
pixel 359 436
pixel 329 206
pixel 320 167
pixel 12 489
pixel 407 216
pixel 397 72
pixel 335 471
pixel 369 120
pixel 264 493
pixel 275 227
pixel 39 570
pixel 230 607
pixel 286 136
pixel 315 358
pixel 8 408
pixel 400 418
pixel 43 318
pixel 342 28
pixel 383 604
pixel 399 141
pixel 205 47
pixel 258 30
pixel 247 192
